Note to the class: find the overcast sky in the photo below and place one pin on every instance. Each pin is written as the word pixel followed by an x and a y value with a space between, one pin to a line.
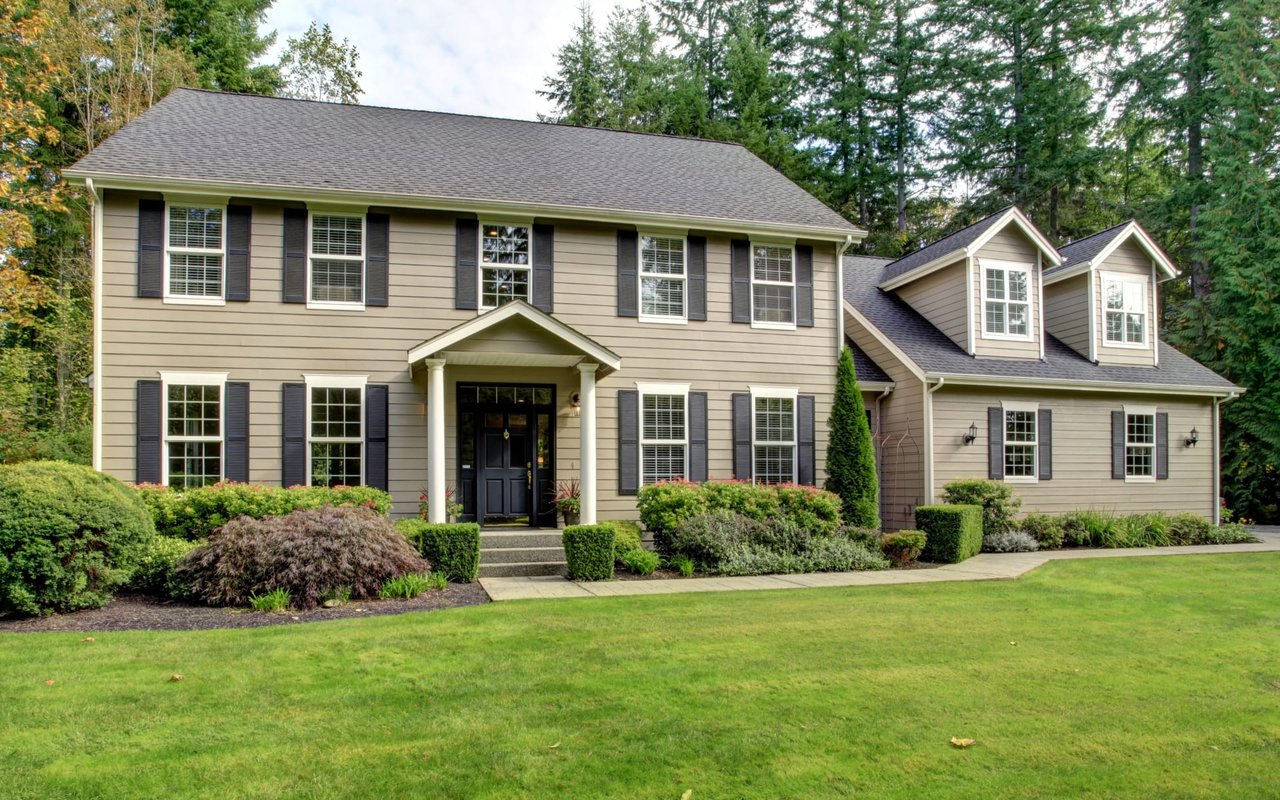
pixel 466 56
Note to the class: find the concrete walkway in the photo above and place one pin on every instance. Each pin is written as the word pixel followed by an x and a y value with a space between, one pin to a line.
pixel 983 567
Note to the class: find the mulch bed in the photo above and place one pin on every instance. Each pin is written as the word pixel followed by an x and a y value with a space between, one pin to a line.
pixel 141 613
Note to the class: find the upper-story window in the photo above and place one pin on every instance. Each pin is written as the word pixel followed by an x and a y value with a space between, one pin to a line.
pixel 505 264
pixel 1125 310
pixel 337 259
pixel 195 252
pixel 1006 309
pixel 662 278
pixel 773 437
pixel 773 286
pixel 193 430
pixel 663 435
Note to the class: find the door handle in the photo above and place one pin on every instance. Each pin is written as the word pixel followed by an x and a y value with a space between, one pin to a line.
pixel 528 474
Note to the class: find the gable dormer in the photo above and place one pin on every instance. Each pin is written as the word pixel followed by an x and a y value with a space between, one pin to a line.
pixel 981 285
pixel 1101 301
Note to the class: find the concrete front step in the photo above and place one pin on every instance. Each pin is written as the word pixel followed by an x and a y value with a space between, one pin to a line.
pixel 492 540
pixel 517 555
pixel 522 570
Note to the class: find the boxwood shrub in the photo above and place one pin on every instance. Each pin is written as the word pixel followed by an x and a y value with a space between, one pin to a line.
pixel 903 547
pixel 157 569
pixel 194 513
pixel 588 549
pixel 952 532
pixel 452 548
pixel 626 536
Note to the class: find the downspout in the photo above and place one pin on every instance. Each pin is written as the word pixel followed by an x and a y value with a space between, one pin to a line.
pixel 848 242
pixel 878 441
pixel 928 439
pixel 1217 459
pixel 95 204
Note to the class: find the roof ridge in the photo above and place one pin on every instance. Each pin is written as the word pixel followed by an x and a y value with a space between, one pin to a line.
pixel 1096 234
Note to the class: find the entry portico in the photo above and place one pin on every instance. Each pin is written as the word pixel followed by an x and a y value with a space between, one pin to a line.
pixel 508 346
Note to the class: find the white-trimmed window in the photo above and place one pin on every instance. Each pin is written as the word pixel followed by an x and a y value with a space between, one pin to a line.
pixel 773 435
pixel 1124 308
pixel 335 430
pixel 193 429
pixel 195 241
pixel 662 278
pixel 337 260
pixel 1139 443
pixel 773 285
pixel 506 261
pixel 664 432
pixel 1021 441
pixel 1006 307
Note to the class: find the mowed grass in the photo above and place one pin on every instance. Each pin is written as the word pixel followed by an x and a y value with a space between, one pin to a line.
pixel 1103 678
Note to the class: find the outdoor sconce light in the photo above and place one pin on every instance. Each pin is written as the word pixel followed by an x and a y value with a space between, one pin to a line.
pixel 972 435
pixel 575 404
pixel 1191 440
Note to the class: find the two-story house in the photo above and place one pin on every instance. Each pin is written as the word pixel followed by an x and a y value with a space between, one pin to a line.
pixel 292 292
pixel 991 353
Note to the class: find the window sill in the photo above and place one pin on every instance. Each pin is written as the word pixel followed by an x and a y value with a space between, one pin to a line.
pixel 316 305
pixel 664 320
pixel 1126 345
pixel 1021 479
pixel 182 300
pixel 1139 478
pixel 773 326
pixel 1007 337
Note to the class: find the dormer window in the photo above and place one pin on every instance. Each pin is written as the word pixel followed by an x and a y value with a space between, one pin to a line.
pixel 1124 310
pixel 1006 300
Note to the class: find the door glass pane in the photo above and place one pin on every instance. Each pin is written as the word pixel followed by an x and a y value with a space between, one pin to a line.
pixel 488 394
pixel 542 397
pixel 467 439
pixel 524 395
pixel 506 395
pixel 466 395
pixel 493 421
pixel 544 441
pixel 520 421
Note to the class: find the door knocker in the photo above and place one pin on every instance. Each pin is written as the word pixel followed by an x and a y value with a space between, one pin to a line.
pixel 506 433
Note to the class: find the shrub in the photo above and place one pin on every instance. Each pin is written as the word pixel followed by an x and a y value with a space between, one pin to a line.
pixel 815 510
pixel 682 564
pixel 851 455
pixel 753 500
pixel 999 505
pixel 831 554
pixel 781 535
pixel 664 506
pixel 453 548
pixel 156 573
pixel 952 532
pixel 1009 542
pixel 902 547
pixel 750 560
pixel 1142 530
pixel 405 587
pixel 1189 529
pixel 711 538
pixel 626 536
pixel 640 561
pixel 272 602
pixel 309 552
pixel 588 549
pixel 1046 530
pixel 69 537
pixel 1231 533
pixel 1074 532
pixel 867 537
pixel 1092 528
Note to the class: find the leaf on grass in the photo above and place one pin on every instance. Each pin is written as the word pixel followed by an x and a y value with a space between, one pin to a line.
pixel 175 677
pixel 88 639
pixel 688 794
pixel 554 746
pixel 49 682
pixel 962 743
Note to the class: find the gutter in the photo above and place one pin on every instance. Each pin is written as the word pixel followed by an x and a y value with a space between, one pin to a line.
pixel 1087 386
pixel 928 438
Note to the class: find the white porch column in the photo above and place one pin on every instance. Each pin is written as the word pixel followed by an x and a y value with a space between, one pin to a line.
pixel 587 480
pixel 435 441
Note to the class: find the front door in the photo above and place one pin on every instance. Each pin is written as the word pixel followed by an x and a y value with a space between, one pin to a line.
pixel 506 466
pixel 506 453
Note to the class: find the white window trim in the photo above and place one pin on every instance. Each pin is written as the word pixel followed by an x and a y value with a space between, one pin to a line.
pixel 195 299
pixel 330 305
pixel 791 393
pixel 663 390
pixel 480 262
pixel 1034 408
pixel 338 382
pixel 1008 266
pixel 683 277
pixel 168 379
pixel 1134 410
pixel 776 326
pixel 1122 278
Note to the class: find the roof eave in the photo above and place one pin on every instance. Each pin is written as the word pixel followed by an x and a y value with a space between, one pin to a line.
pixel 924 269
pixel 966 379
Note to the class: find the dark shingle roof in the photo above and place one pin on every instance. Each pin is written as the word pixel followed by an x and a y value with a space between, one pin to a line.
pixel 864 368
pixel 244 139
pixel 1082 250
pixel 947 244
pixel 933 352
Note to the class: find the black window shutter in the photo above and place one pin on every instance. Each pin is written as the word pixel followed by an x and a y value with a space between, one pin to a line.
pixel 150 248
pixel 377 259
pixel 295 255
pixel 149 425
pixel 1117 445
pixel 628 442
pixel 995 443
pixel 806 433
pixel 742 436
pixel 628 256
pixel 375 436
pixel 239 236
pixel 1045 438
pixel 466 289
pixel 697 437
pixel 294 430
pixel 544 259
pixel 235 454
pixel 696 280
pixel 740 265
pixel 804 286
pixel 1162 446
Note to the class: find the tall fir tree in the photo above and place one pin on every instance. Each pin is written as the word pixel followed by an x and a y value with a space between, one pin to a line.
pixel 577 88
pixel 224 42
pixel 851 453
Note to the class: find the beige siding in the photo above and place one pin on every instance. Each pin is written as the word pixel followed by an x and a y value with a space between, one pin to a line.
pixel 939 297
pixel 1066 312
pixel 267 343
pixel 1009 244
pixel 1081 451
pixel 1128 258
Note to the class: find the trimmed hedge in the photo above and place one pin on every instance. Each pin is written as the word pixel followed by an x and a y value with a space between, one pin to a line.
pixel 452 548
pixel 626 536
pixel 193 514
pixel 952 532
pixel 588 549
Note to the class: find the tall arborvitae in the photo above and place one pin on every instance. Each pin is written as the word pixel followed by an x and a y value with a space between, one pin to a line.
pixel 851 454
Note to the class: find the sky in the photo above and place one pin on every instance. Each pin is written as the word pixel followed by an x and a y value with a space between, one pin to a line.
pixel 465 56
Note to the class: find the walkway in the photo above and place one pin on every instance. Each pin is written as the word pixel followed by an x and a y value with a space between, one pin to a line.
pixel 983 567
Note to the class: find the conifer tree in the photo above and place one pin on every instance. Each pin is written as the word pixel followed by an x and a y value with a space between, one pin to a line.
pixel 851 455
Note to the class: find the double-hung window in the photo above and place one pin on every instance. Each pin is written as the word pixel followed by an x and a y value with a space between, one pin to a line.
pixel 337 260
pixel 773 286
pixel 1006 307
pixel 335 431
pixel 505 264
pixel 1020 441
pixel 1125 310
pixel 1139 443
pixel 664 433
pixel 773 436
pixel 193 429
pixel 196 246
pixel 662 278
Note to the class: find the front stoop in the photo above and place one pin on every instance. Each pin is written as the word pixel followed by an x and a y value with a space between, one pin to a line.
pixel 509 553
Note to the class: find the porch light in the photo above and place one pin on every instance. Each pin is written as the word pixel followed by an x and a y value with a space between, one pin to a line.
pixel 575 404
pixel 1194 437
pixel 972 435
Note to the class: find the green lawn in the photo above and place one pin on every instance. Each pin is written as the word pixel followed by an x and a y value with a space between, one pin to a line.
pixel 1107 678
